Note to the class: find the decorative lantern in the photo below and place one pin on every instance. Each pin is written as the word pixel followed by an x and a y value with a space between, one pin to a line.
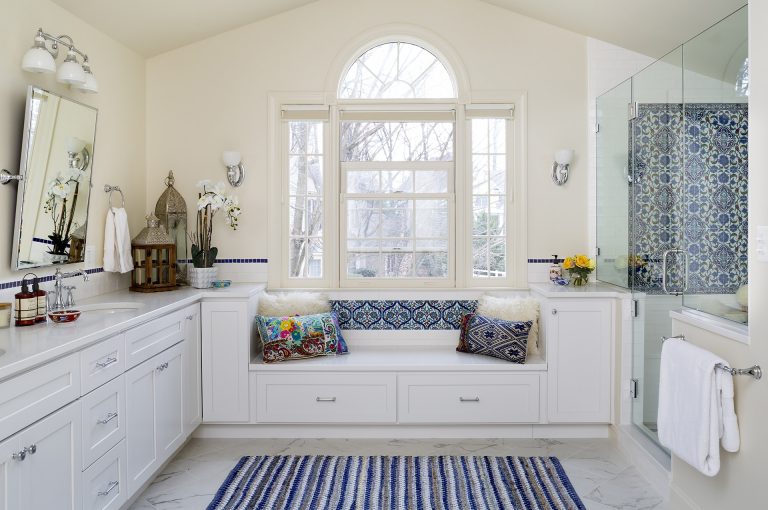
pixel 171 209
pixel 154 259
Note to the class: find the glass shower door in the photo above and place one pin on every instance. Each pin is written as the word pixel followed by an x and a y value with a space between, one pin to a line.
pixel 656 262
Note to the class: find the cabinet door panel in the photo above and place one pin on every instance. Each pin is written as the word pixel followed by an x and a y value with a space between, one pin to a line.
pixel 50 477
pixel 579 358
pixel 168 401
pixel 140 425
pixel 193 402
pixel 9 475
pixel 226 346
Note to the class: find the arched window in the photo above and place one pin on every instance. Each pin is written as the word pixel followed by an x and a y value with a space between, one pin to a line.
pixel 397 70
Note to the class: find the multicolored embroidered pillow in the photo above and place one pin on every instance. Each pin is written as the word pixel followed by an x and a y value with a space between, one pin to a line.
pixel 507 340
pixel 301 336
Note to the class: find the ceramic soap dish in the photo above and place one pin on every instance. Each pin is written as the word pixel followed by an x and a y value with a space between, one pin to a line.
pixel 62 316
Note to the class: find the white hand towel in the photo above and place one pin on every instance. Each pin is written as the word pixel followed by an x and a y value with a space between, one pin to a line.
pixel 694 412
pixel 111 262
pixel 117 242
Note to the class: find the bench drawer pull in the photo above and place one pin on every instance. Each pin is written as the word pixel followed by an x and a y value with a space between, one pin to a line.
pixel 112 486
pixel 465 399
pixel 325 399
pixel 109 418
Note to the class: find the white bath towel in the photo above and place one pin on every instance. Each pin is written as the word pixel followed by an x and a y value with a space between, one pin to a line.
pixel 695 406
pixel 117 242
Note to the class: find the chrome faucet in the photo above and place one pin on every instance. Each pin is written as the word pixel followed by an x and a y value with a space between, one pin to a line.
pixel 58 301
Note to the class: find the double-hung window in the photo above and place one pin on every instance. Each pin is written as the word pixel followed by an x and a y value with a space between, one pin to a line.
pixel 397 200
pixel 397 183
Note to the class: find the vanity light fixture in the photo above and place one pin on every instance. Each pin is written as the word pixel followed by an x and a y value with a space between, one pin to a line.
pixel 235 170
pixel 42 59
pixel 79 157
pixel 563 160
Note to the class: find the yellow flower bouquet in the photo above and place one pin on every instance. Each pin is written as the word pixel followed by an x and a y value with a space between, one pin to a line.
pixel 579 267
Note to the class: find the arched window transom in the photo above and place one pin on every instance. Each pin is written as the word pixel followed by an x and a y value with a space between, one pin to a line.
pixel 397 70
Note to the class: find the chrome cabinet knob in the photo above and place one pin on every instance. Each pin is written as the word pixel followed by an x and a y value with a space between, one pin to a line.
pixel 554 311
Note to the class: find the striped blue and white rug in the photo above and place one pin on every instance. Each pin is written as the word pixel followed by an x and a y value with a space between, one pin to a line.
pixel 315 482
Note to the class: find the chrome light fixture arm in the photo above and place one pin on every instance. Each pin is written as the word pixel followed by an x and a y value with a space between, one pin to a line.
pixel 54 49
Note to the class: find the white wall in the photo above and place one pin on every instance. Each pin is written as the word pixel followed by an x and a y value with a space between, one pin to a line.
pixel 212 95
pixel 741 482
pixel 119 150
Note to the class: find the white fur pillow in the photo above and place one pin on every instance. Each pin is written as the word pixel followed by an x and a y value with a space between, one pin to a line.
pixel 514 309
pixel 286 304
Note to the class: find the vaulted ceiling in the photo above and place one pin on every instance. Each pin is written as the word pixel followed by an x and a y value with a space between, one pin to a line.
pixel 652 27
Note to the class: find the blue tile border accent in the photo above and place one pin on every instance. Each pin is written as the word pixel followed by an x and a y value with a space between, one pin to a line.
pixel 545 261
pixel 237 261
pixel 49 278
pixel 404 314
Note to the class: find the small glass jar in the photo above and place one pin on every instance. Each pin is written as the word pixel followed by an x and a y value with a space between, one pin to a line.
pixel 5 315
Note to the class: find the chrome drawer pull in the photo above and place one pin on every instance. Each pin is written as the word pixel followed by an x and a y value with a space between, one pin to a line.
pixel 110 488
pixel 31 449
pixel 190 317
pixel 109 418
pixel 162 367
pixel 106 362
pixel 20 455
pixel 465 399
pixel 326 399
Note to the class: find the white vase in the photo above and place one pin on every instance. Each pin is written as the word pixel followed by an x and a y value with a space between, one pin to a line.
pixel 201 277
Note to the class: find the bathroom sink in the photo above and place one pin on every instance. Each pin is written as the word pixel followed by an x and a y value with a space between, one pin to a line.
pixel 117 307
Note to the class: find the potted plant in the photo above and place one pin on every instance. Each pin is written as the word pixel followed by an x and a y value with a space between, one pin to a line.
pixel 211 200
pixel 579 267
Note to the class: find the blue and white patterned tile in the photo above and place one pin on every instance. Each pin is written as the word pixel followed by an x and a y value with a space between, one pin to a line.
pixel 401 314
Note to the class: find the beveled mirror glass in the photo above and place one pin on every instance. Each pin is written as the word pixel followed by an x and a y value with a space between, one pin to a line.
pixel 56 165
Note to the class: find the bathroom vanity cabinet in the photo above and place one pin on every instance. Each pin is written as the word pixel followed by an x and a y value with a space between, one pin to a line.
pixel 92 411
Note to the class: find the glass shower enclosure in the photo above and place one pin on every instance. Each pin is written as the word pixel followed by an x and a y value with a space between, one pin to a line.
pixel 672 194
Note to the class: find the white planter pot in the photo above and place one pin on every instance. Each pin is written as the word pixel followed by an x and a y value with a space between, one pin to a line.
pixel 201 277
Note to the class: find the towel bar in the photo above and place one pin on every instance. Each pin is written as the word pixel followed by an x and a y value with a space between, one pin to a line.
pixel 755 371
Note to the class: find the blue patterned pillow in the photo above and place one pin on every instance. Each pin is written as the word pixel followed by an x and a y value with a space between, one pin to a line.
pixel 507 340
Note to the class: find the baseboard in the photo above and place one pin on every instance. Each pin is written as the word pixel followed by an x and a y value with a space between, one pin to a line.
pixel 680 500
pixel 401 431
pixel 649 459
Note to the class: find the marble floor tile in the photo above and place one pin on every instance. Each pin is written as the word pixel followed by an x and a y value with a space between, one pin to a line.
pixel 602 475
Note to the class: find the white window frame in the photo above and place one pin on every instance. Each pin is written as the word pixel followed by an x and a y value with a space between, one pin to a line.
pixel 460 219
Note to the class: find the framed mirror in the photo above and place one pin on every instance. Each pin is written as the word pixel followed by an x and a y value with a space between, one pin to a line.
pixel 53 195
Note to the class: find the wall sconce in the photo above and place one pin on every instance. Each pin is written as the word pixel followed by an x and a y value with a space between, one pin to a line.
pixel 235 170
pixel 41 59
pixel 563 159
pixel 79 157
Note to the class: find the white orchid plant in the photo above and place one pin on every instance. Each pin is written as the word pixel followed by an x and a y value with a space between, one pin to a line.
pixel 211 200
pixel 61 201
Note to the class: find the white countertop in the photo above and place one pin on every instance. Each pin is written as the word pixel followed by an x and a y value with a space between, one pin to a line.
pixel 591 290
pixel 29 346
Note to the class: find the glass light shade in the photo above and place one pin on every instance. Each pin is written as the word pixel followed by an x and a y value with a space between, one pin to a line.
pixel 231 158
pixel 70 71
pixel 38 60
pixel 75 145
pixel 564 156
pixel 91 86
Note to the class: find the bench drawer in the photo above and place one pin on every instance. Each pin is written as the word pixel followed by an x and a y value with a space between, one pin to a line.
pixel 103 419
pixel 26 398
pixel 326 398
pixel 146 340
pixel 468 398
pixel 101 363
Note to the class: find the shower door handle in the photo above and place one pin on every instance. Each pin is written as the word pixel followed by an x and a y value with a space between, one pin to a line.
pixel 664 259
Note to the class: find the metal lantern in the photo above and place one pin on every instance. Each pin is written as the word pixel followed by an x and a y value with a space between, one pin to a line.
pixel 154 259
pixel 171 209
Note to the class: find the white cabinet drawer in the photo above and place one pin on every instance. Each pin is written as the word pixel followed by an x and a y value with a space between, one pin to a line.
pixel 105 484
pixel 326 398
pixel 468 398
pixel 143 342
pixel 28 397
pixel 103 419
pixel 101 363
